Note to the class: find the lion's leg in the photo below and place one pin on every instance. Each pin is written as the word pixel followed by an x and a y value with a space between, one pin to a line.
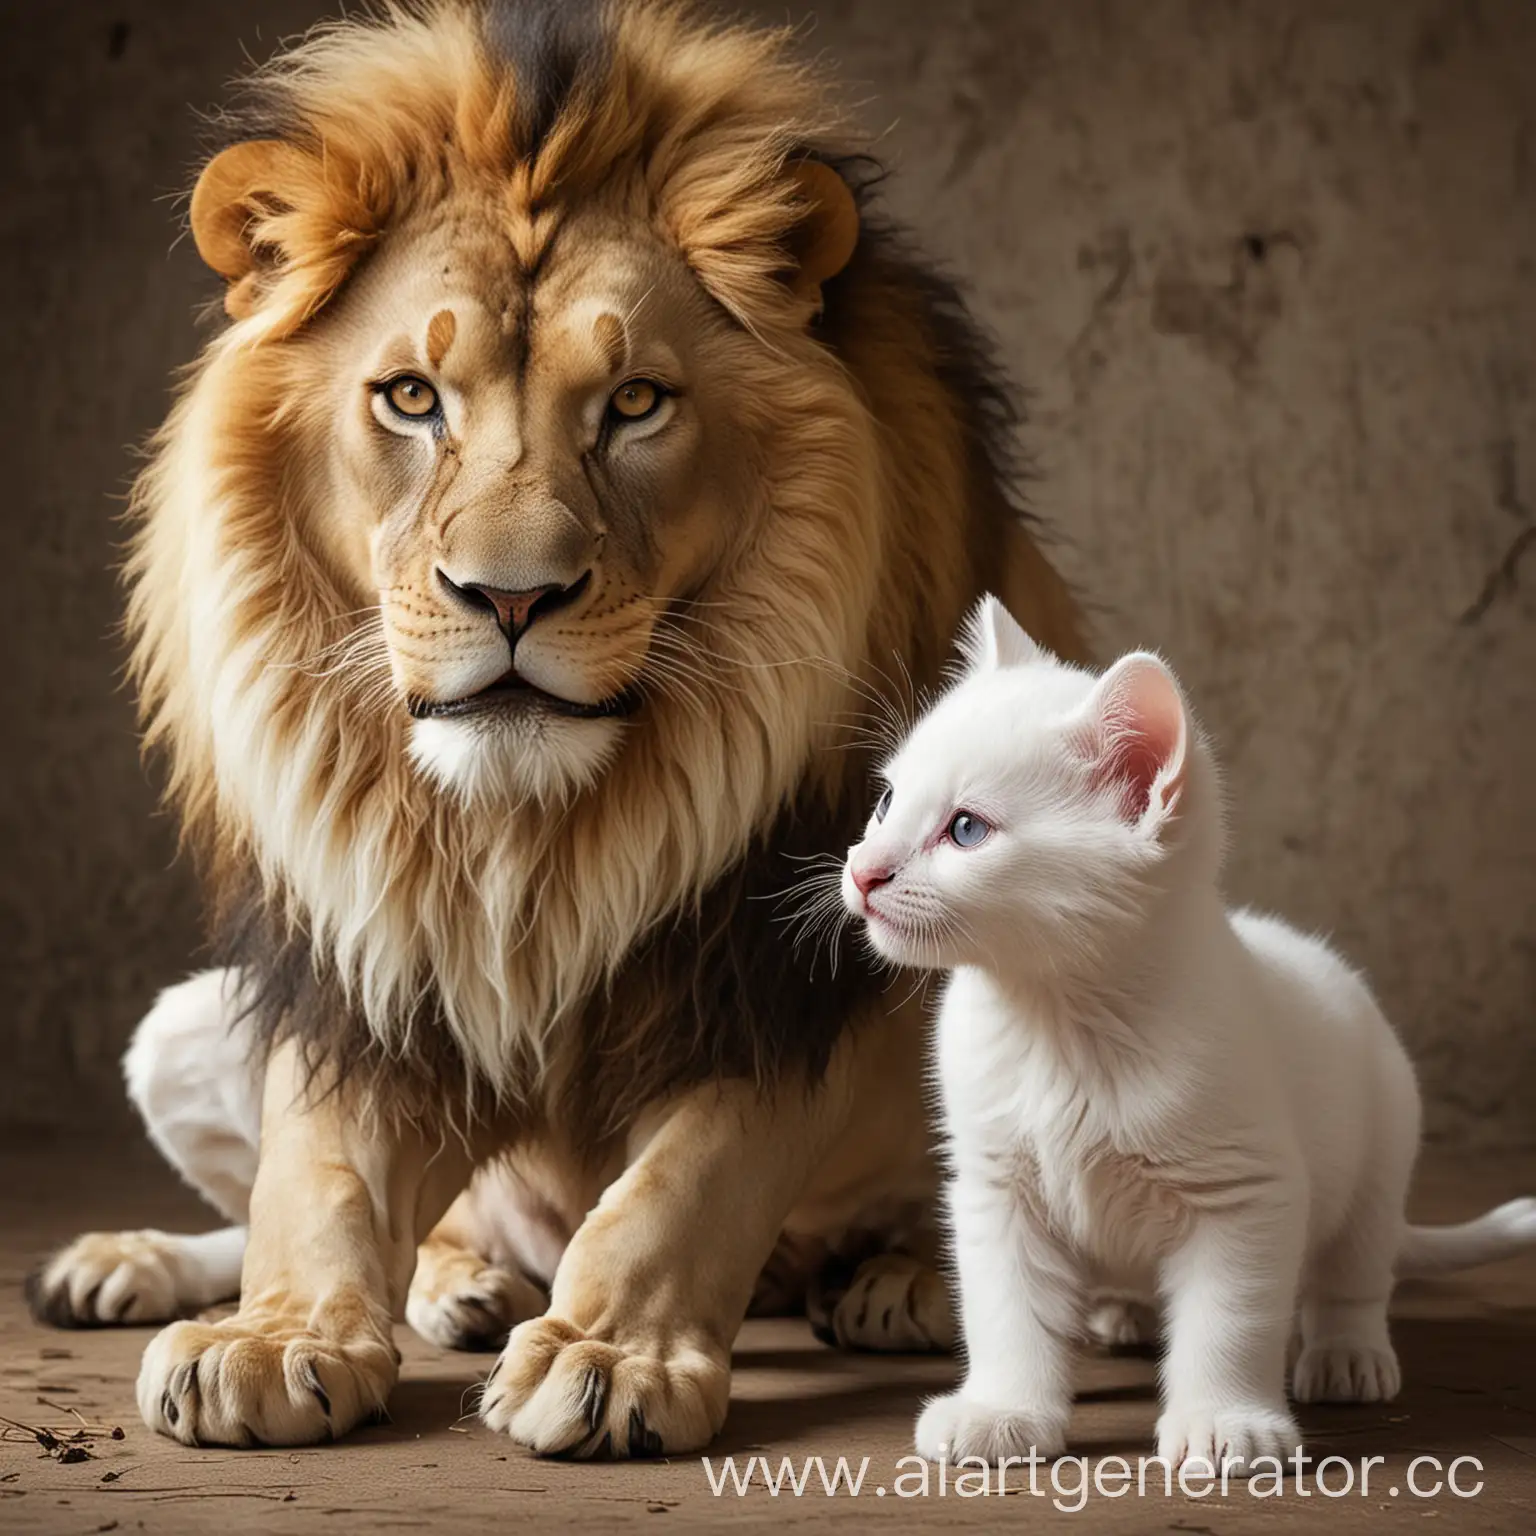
pixel 458 1299
pixel 340 1201
pixel 633 1358
pixel 190 1076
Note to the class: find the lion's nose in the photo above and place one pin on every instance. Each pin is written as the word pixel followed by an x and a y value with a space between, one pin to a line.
pixel 516 612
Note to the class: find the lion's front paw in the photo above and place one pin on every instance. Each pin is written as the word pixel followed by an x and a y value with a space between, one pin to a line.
pixel 564 1393
pixel 106 1278
pixel 895 1303
pixel 242 1383
pixel 458 1301
pixel 954 1427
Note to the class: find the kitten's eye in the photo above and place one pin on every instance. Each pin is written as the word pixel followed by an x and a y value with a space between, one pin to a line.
pixel 883 804
pixel 411 397
pixel 635 399
pixel 966 830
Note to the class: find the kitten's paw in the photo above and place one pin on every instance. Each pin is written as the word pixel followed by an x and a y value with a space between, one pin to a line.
pixel 1121 1322
pixel 954 1427
pixel 109 1278
pixel 1346 1372
pixel 1236 1437
pixel 896 1304
pixel 458 1301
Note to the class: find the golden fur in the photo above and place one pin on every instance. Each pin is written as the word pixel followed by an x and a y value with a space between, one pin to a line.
pixel 540 913
pixel 864 553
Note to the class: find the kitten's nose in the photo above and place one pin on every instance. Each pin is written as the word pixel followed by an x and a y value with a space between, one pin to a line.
pixel 867 879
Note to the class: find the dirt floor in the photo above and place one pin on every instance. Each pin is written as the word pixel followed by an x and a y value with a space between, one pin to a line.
pixel 1468 1347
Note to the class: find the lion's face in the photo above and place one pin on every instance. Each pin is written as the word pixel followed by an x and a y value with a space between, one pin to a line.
pixel 526 475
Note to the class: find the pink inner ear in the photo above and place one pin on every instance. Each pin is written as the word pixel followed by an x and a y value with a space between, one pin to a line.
pixel 1129 766
pixel 1139 736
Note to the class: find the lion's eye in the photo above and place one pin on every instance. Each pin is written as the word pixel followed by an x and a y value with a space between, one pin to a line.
pixel 410 396
pixel 635 399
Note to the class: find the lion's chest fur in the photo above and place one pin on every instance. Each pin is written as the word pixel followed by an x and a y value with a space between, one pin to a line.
pixel 538 1000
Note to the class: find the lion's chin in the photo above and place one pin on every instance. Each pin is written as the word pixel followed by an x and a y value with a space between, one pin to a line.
pixel 514 757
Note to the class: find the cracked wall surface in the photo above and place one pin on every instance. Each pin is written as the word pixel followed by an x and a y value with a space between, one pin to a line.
pixel 1269 273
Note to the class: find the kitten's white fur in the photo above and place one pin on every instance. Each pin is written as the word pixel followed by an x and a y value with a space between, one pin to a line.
pixel 1141 1089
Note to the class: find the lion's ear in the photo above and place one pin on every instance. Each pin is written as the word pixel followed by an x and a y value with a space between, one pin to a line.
pixel 241 193
pixel 823 241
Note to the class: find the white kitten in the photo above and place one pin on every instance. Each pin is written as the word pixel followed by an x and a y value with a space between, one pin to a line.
pixel 1141 1089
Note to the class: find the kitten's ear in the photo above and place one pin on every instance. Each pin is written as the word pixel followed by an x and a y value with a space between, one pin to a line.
pixel 1137 736
pixel 993 638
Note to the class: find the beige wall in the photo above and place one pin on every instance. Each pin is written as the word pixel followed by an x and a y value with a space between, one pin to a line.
pixel 1269 270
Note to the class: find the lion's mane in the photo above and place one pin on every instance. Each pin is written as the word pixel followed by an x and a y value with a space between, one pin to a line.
pixel 569 963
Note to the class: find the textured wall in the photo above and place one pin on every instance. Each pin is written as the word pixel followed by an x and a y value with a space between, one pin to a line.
pixel 1270 272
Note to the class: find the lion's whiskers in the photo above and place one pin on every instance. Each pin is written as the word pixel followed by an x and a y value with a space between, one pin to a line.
pixel 878 729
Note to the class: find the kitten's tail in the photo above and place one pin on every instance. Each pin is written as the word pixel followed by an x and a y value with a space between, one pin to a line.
pixel 1508 1230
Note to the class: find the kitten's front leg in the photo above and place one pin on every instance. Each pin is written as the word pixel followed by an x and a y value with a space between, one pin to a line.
pixel 1231 1304
pixel 1021 1300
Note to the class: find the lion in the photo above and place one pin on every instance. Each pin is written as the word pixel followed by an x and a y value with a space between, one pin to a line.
pixel 510 583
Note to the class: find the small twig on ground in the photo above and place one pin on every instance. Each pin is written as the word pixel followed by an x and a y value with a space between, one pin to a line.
pixel 66 1443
